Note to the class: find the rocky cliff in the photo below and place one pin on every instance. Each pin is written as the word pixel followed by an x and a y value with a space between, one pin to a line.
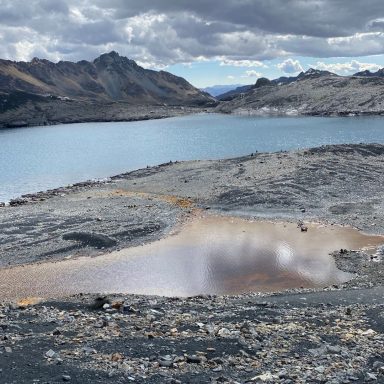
pixel 314 93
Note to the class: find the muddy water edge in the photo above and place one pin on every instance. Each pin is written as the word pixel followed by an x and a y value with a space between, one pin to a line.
pixel 209 255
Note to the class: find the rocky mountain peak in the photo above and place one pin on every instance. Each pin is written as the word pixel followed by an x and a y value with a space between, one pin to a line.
pixel 37 61
pixel 312 72
pixel 262 82
pixel 108 58
pixel 114 60
pixel 367 72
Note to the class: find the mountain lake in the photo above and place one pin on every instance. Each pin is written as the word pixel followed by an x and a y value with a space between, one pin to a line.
pixel 40 158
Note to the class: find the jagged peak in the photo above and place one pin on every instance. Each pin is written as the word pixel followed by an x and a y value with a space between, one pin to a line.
pixel 113 54
pixel 114 57
pixel 313 72
pixel 36 60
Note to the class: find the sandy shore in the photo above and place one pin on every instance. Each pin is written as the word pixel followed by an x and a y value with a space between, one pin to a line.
pixel 333 335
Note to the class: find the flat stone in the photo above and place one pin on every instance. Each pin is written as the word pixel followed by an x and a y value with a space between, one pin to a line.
pixel 50 353
pixel 318 351
pixel 333 349
pixel 370 377
pixel 166 363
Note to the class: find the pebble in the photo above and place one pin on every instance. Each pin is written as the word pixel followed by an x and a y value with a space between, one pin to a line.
pixel 370 377
pixel 194 359
pixel 50 353
pixel 166 363
pixel 320 369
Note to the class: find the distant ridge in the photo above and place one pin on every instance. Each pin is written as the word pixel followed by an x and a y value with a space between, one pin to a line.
pixel 234 92
pixel 367 73
pixel 216 90
pixel 313 92
pixel 227 96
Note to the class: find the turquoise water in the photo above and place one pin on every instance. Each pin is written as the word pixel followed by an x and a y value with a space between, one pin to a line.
pixel 39 158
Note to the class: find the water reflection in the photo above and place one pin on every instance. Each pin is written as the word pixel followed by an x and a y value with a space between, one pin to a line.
pixel 213 255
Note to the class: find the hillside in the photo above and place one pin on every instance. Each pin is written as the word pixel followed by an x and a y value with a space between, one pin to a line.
pixel 111 88
pixel 313 92
pixel 110 77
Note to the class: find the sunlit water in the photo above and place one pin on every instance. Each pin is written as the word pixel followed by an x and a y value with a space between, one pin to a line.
pixel 212 255
pixel 38 158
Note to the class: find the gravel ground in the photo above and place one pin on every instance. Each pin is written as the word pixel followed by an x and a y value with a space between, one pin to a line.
pixel 339 184
pixel 313 338
pixel 329 336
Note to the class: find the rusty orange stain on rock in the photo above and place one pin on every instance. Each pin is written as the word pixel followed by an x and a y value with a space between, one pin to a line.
pixel 29 301
pixel 171 199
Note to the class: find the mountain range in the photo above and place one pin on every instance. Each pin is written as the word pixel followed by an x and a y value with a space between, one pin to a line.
pixel 110 77
pixel 115 88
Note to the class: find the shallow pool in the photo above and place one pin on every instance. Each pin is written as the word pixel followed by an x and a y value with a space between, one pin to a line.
pixel 210 255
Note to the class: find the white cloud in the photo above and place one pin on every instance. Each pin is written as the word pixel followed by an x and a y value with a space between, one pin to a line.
pixel 252 73
pixel 290 66
pixel 230 77
pixel 77 16
pixel 242 63
pixel 152 65
pixel 347 68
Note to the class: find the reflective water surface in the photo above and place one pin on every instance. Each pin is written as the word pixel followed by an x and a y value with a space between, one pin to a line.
pixel 38 158
pixel 212 255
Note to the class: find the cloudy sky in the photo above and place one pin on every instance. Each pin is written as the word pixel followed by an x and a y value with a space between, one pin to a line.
pixel 206 41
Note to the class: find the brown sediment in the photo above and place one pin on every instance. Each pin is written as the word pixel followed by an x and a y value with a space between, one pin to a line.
pixel 175 200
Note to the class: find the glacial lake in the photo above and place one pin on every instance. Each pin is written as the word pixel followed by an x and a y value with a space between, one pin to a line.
pixel 39 158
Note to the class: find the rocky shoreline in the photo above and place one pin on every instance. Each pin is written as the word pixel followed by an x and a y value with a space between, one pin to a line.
pixel 54 112
pixel 57 111
pixel 334 335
